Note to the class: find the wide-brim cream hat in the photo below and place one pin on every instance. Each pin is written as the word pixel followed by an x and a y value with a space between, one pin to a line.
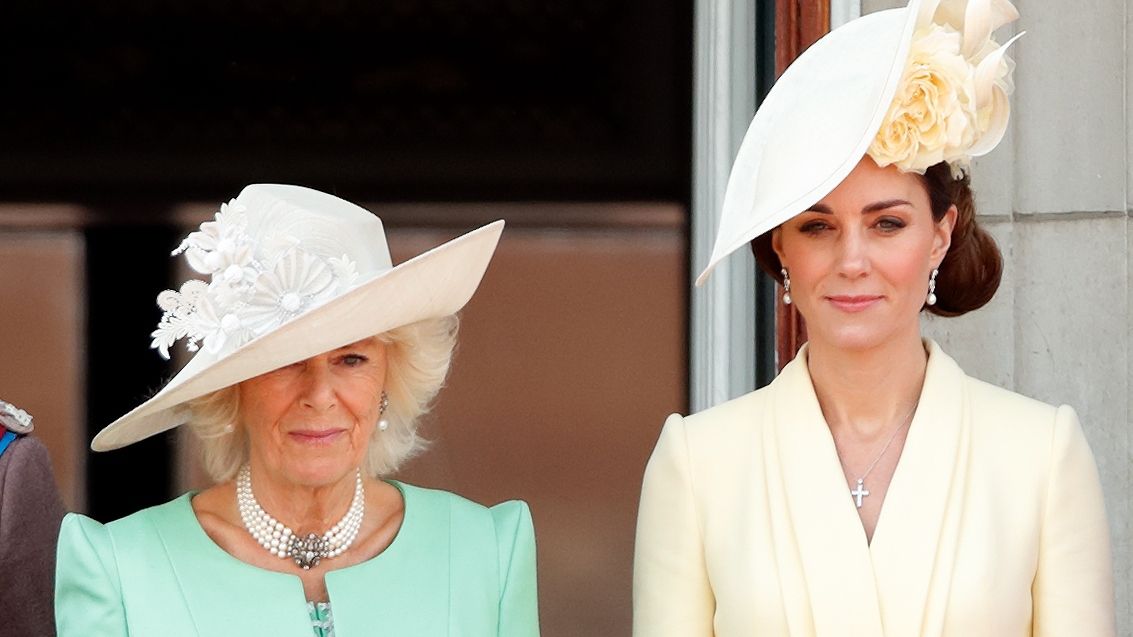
pixel 910 87
pixel 292 273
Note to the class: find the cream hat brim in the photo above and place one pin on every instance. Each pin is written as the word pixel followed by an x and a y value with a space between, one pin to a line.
pixel 814 126
pixel 433 284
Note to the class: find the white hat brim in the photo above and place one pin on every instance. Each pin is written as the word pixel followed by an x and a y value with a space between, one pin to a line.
pixel 814 126
pixel 433 284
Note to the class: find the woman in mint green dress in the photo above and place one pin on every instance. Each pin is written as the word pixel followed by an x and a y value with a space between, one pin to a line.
pixel 313 360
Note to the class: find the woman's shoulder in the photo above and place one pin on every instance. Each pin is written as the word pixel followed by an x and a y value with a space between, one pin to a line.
pixel 132 531
pixel 982 396
pixel 470 531
pixel 505 514
pixel 737 408
pixel 84 540
pixel 995 409
pixel 988 395
pixel 1005 419
pixel 743 413
pixel 151 519
pixel 125 530
pixel 720 424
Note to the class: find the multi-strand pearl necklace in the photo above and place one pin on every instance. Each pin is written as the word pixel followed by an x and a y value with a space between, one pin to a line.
pixel 282 542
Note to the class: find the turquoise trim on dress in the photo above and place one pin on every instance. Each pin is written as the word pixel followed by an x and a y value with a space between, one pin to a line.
pixel 321 619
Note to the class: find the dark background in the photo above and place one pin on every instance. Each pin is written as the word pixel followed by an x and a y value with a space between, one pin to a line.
pixel 380 100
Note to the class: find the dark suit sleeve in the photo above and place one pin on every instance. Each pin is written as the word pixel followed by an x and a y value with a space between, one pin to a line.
pixel 30 513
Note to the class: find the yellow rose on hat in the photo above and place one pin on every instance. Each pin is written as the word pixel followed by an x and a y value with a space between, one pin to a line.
pixel 931 117
pixel 952 101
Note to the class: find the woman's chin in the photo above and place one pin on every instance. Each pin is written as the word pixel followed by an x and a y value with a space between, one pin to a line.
pixel 318 471
pixel 855 338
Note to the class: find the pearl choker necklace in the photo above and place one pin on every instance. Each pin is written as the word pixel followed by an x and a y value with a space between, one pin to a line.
pixel 280 541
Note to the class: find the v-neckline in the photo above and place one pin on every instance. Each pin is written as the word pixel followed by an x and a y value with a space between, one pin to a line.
pixel 845 573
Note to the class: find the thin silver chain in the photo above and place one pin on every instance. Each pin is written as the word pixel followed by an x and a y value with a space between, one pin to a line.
pixel 905 421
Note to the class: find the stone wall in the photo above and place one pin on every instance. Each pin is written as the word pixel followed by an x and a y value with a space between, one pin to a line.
pixel 1055 196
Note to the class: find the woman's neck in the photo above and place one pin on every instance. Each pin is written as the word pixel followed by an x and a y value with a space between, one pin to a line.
pixel 867 392
pixel 303 508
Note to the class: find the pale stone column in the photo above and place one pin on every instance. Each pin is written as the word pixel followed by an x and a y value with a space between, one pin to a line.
pixel 722 334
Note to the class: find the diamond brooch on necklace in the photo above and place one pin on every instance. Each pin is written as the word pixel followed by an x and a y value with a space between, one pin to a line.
pixel 306 551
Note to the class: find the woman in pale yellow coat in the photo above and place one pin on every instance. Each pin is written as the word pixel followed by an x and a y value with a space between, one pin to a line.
pixel 873 488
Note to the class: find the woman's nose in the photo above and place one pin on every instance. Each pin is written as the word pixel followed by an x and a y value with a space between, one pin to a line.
pixel 318 387
pixel 853 254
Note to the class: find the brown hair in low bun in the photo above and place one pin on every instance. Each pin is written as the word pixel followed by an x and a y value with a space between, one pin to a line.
pixel 970 272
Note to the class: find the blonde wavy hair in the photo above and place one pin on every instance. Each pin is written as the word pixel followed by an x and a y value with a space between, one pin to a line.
pixel 418 358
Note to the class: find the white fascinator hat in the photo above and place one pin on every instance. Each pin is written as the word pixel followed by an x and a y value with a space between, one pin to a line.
pixel 910 87
pixel 289 273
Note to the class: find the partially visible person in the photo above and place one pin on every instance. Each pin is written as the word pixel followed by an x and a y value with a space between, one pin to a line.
pixel 30 513
pixel 315 359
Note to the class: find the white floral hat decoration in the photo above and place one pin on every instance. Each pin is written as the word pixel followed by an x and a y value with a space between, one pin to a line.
pixel 911 87
pixel 291 272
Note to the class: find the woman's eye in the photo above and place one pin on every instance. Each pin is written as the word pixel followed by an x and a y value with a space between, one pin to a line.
pixel 353 360
pixel 813 227
pixel 890 224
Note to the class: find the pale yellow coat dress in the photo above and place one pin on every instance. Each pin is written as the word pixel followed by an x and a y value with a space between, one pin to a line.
pixel 993 523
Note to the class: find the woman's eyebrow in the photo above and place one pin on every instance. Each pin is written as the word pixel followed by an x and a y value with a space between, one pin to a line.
pixel 882 205
pixel 873 207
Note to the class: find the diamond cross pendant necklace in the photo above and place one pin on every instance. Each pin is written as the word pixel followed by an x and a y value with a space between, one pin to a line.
pixel 859 491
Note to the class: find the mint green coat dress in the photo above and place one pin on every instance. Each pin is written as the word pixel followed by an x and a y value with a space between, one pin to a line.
pixel 455 568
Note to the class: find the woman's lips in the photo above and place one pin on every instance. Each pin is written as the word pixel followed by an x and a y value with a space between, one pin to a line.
pixel 316 437
pixel 857 303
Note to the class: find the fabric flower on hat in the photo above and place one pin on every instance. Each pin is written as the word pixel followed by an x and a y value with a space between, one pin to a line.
pixel 951 104
pixel 217 328
pixel 298 281
pixel 255 285
pixel 177 321
pixel 219 243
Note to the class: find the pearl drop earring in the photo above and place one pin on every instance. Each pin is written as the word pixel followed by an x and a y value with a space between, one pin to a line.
pixel 931 298
pixel 786 287
pixel 383 424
